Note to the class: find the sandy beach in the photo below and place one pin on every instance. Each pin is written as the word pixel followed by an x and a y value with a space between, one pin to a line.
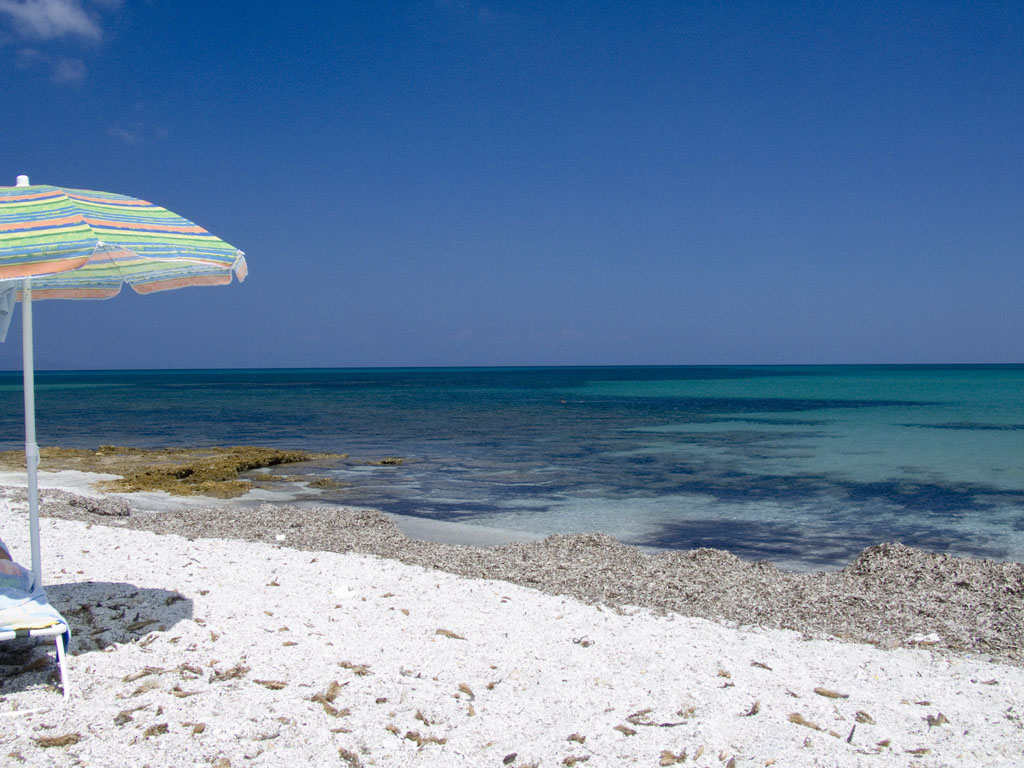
pixel 215 635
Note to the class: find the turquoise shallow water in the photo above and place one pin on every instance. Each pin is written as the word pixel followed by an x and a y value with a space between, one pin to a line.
pixel 801 465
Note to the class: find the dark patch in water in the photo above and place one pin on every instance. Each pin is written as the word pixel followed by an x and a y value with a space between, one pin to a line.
pixel 654 476
pixel 945 499
pixel 702 406
pixel 970 425
pixel 772 422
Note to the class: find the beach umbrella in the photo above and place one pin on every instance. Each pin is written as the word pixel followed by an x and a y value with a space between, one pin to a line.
pixel 58 243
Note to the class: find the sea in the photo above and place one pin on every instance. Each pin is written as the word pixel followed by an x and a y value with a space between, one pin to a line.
pixel 801 465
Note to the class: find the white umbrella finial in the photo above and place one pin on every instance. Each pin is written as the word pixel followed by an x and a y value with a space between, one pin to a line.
pixel 22 181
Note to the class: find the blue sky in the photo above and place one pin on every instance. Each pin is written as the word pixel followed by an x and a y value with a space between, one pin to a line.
pixel 450 182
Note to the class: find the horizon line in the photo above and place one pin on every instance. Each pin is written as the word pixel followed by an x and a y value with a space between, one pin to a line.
pixel 580 366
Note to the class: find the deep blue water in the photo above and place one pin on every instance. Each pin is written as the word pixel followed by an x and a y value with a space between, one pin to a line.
pixel 801 465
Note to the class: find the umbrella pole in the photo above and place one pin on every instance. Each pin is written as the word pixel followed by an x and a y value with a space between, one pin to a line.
pixel 31 449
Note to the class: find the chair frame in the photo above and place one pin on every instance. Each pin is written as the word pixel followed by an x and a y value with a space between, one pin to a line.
pixel 61 633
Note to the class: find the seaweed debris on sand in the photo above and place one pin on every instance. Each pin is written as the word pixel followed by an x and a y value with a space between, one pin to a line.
pixel 221 652
pixel 214 471
pixel 891 595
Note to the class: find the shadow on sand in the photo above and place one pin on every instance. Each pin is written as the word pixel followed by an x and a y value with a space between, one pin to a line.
pixel 101 614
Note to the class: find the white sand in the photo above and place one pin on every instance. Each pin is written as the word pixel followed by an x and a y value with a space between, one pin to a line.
pixel 546 678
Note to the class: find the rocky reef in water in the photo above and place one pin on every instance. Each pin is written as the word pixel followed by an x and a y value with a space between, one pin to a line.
pixel 216 471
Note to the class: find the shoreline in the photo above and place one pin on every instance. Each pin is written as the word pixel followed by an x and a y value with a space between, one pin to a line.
pixel 891 596
pixel 171 477
pixel 439 531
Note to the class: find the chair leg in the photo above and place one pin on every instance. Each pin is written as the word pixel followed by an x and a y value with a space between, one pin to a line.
pixel 62 664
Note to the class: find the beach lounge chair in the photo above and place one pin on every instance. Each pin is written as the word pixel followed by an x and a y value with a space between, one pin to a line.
pixel 26 613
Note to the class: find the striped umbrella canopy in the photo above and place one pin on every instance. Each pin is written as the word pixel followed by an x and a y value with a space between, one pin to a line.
pixel 79 244
pixel 58 243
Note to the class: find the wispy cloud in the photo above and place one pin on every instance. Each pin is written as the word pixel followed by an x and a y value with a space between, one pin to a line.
pixel 123 134
pixel 47 27
pixel 62 69
pixel 68 70
pixel 137 132
pixel 51 19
